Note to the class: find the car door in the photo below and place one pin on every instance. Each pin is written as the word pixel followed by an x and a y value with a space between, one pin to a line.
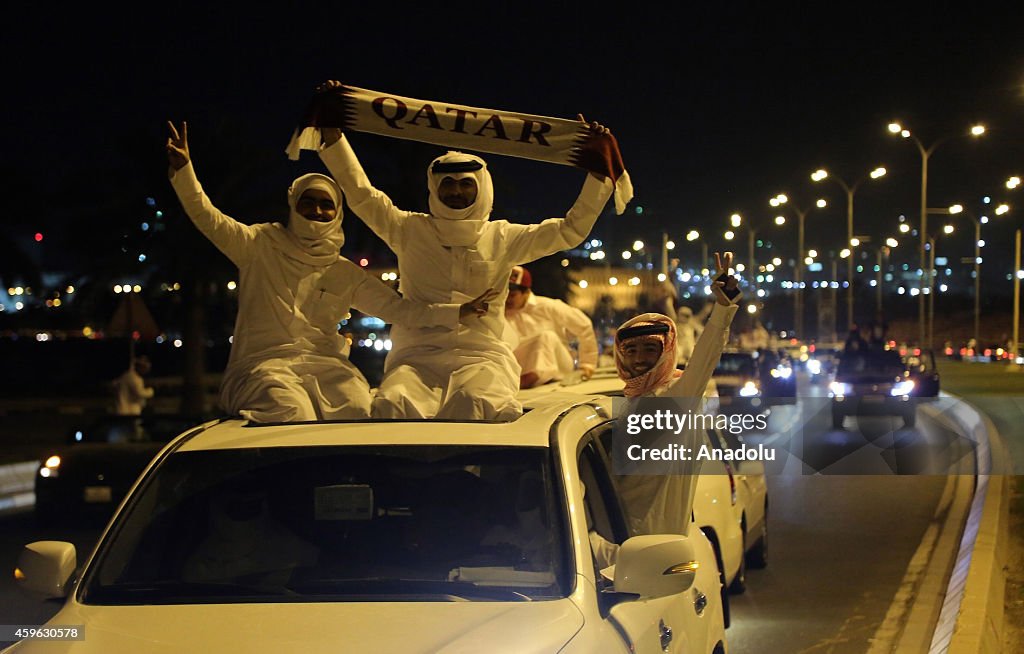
pixel 665 624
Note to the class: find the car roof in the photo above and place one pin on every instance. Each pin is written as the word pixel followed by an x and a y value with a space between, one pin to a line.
pixel 531 430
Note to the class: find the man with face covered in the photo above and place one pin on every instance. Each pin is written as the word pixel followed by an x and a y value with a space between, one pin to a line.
pixel 448 255
pixel 645 357
pixel 288 362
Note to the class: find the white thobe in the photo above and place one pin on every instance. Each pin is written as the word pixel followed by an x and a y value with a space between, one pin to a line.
pixel 130 394
pixel 543 329
pixel 288 362
pixel 467 373
pixel 661 504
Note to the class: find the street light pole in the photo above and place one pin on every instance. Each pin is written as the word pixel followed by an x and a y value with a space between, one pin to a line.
pixel 821 174
pixel 926 153
pixel 931 293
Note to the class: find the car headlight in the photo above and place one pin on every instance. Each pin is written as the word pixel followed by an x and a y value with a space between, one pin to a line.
pixel 902 388
pixel 51 467
pixel 783 372
pixel 749 389
pixel 839 389
pixel 814 367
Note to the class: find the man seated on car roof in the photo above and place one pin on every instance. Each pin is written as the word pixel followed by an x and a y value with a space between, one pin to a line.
pixel 539 330
pixel 645 357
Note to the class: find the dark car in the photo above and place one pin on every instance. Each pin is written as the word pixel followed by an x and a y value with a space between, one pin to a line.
pixel 738 380
pixel 88 477
pixel 921 367
pixel 872 382
pixel 778 376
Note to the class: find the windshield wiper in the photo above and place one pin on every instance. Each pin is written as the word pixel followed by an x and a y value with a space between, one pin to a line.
pixel 458 590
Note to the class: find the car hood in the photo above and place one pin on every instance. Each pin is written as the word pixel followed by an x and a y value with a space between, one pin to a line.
pixel 409 627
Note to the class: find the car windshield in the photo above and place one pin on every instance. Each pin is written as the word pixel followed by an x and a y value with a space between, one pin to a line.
pixel 356 523
pixel 735 363
pixel 887 363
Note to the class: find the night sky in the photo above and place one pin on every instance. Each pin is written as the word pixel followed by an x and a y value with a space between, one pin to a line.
pixel 715 110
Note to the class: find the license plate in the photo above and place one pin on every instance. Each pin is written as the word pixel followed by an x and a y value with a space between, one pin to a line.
pixel 97 494
pixel 874 399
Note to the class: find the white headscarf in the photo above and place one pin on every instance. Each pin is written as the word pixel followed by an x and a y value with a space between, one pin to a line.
pixel 310 241
pixel 460 227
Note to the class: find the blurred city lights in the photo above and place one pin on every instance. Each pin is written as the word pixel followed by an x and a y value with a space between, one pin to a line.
pixel 977 130
pixel 1013 182
pixel 583 283
pixel 670 245
pixel 626 254
pixel 729 235
pixel 956 208
pixel 638 245
pixel 232 286
pixel 780 220
pixel 1001 209
pixel 736 220
pixel 948 229
pixel 693 235
pixel 821 203
pixel 819 175
pixel 877 172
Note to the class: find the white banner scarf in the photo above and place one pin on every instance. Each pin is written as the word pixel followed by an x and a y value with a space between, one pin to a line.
pixel 556 140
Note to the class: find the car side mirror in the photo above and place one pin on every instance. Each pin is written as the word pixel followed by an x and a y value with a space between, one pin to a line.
pixel 45 568
pixel 655 565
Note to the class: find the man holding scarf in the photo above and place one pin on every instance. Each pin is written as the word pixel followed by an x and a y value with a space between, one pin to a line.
pixel 645 357
pixel 288 362
pixel 449 255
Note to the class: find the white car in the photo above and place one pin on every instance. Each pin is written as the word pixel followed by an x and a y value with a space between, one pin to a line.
pixel 731 502
pixel 372 536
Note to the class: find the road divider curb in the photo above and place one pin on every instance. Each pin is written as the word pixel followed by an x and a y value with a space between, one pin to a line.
pixel 972 617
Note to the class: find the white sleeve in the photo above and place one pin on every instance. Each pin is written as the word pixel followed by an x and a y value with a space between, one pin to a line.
pixel 578 324
pixel 528 243
pixel 706 353
pixel 371 205
pixel 230 236
pixel 375 298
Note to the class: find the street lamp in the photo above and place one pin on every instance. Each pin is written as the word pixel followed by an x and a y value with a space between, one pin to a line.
pixel 782 200
pixel 926 152
pixel 818 176
pixel 958 209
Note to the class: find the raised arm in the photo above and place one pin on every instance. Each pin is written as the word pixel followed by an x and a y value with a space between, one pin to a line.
pixel 528 243
pixel 230 236
pixel 708 349
pixel 371 205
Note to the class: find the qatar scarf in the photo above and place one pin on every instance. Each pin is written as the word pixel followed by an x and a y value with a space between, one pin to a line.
pixel 555 140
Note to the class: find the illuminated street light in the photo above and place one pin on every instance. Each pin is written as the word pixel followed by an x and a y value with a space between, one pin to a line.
pixel 736 220
pixel 926 152
pixel 583 283
pixel 821 203
pixel 850 190
pixel 613 280
pixel 729 235
pixel 693 235
pixel 638 245
pixel 891 242
pixel 948 229
pixel 751 309
pixel 956 208
pixel 904 228
pixel 626 254
pixel 671 245
pixel 780 220
pixel 845 252
pixel 1013 182
pixel 777 261
pixel 813 254
pixel 809 261
pixel 854 242
pixel 1001 209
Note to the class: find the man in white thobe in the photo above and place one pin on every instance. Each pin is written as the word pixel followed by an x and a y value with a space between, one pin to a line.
pixel 448 255
pixel 288 363
pixel 540 330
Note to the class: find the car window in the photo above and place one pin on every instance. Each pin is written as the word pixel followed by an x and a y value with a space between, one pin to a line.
pixel 733 363
pixel 359 523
